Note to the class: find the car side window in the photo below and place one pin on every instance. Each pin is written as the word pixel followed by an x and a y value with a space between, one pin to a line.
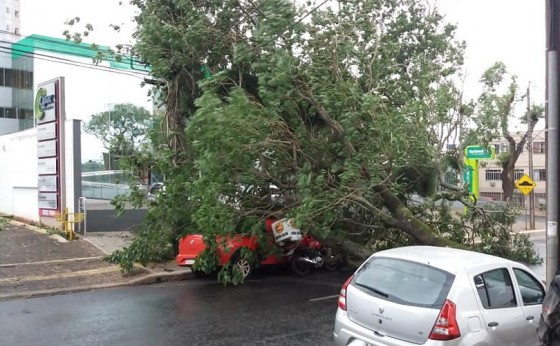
pixel 495 289
pixel 532 292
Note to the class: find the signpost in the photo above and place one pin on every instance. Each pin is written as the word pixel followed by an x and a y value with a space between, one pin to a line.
pixel 525 184
pixel 479 153
pixel 473 154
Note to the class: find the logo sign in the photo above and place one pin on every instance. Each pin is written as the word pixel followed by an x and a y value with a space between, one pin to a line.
pixel 525 184
pixel 48 110
pixel 45 103
pixel 478 152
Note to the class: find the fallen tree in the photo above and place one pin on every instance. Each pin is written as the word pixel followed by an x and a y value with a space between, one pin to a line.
pixel 334 115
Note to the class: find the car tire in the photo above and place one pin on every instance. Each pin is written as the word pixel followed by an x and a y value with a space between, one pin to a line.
pixel 244 265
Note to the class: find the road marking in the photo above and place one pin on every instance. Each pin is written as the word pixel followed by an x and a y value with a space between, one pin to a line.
pixel 50 262
pixel 61 275
pixel 323 298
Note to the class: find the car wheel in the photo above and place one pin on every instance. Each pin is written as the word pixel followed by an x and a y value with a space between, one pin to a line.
pixel 300 267
pixel 243 264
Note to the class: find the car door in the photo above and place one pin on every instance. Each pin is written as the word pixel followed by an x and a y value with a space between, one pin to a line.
pixel 502 314
pixel 532 294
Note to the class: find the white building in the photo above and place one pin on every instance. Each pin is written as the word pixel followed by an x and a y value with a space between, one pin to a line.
pixel 10 16
pixel 490 183
pixel 16 80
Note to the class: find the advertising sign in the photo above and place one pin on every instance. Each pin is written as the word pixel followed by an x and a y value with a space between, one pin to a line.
pixel 49 116
pixel 46 148
pixel 48 200
pixel 47 183
pixel 46 131
pixel 45 108
pixel 47 166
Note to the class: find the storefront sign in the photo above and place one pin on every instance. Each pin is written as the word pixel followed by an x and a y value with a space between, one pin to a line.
pixel 48 183
pixel 46 149
pixel 46 131
pixel 47 166
pixel 48 200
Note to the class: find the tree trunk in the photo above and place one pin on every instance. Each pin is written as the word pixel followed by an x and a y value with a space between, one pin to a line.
pixel 508 181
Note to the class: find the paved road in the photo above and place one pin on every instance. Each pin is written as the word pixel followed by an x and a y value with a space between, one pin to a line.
pixel 269 310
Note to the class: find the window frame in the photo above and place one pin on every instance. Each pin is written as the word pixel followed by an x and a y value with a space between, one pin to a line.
pixel 488 305
pixel 534 280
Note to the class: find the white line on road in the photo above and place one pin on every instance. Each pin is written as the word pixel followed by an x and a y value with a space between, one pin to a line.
pixel 323 298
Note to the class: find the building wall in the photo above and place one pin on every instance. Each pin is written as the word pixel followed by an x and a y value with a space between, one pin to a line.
pixel 18 174
pixel 491 186
pixel 10 16
pixel 15 115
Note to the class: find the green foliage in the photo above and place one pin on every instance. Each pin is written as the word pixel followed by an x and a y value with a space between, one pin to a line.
pixel 121 129
pixel 151 244
pixel 92 166
pixel 3 224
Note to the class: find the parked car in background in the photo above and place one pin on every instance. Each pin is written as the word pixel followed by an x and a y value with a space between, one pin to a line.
pixel 153 191
pixel 423 295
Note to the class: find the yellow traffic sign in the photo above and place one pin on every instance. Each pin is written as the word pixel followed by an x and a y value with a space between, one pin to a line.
pixel 525 184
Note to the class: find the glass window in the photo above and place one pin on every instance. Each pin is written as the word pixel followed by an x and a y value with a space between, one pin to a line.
pixel 493 174
pixel 2 81
pixel 518 173
pixel 539 147
pixel 404 282
pixel 532 292
pixel 539 174
pixel 495 289
pixel 10 113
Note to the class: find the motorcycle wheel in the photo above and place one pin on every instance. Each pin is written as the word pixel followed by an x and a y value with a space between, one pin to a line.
pixel 331 264
pixel 300 268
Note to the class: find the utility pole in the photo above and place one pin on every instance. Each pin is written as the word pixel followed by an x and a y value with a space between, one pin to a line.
pixel 552 21
pixel 530 144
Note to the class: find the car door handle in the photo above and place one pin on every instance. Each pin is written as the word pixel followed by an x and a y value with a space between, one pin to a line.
pixel 530 318
pixel 493 324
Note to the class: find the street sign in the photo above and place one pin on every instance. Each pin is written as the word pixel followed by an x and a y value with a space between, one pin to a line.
pixel 478 152
pixel 525 184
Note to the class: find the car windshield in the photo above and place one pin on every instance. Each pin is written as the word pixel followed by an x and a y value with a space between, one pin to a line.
pixel 404 282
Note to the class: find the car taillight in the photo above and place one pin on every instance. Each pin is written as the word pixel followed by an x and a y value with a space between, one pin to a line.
pixel 446 327
pixel 342 294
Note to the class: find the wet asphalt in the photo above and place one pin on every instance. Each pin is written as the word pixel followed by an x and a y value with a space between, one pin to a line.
pixel 270 309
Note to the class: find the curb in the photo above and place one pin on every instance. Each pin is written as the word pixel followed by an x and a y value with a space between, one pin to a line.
pixel 148 279
pixel 59 291
pixel 38 230
pixel 162 277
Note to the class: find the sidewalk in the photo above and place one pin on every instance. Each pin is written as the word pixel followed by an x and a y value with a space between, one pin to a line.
pixel 34 263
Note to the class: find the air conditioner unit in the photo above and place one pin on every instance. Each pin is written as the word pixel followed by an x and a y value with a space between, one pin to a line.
pixel 492 183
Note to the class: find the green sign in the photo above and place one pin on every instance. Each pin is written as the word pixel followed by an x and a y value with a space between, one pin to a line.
pixel 478 152
pixel 468 177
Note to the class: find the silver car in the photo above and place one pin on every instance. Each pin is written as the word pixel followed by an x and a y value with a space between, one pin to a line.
pixel 423 295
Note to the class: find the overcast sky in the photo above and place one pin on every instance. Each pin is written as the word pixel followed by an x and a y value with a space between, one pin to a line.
pixel 511 31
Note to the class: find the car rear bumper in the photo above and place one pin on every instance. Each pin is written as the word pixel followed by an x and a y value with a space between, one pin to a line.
pixel 184 260
pixel 348 333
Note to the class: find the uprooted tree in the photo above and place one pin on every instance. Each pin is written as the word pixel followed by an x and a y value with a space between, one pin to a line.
pixel 337 115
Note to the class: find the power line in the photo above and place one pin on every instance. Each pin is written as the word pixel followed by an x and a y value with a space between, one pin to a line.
pixel 50 58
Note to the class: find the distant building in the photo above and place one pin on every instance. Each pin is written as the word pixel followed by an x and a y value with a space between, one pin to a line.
pixel 26 61
pixel 490 183
pixel 16 78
